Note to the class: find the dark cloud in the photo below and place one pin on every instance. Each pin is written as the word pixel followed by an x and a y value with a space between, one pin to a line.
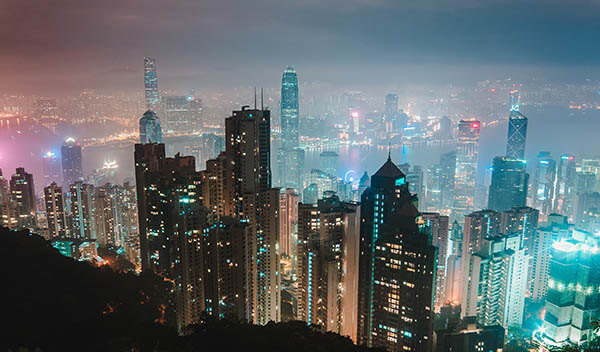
pixel 70 42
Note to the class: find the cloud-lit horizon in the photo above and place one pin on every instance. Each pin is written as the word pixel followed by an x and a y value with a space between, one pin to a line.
pixel 64 45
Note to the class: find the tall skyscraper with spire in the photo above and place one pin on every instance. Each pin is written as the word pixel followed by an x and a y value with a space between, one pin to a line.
pixel 290 157
pixel 517 129
pixel 151 83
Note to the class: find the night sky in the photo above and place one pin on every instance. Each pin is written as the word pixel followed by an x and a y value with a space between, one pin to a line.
pixel 54 46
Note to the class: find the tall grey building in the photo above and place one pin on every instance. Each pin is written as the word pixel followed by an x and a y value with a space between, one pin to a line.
pixel 517 128
pixel 71 162
pixel 290 157
pixel 150 130
pixel 151 83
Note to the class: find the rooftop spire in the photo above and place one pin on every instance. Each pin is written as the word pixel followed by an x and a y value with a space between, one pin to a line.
pixel 389 152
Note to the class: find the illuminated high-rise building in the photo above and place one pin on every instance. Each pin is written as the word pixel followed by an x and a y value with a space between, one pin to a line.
pixel 151 84
pixel 517 129
pixel 453 282
pixel 290 157
pixel 150 130
pixel 396 267
pixel 391 112
pixel 72 166
pixel 52 168
pixel 523 220
pixel 248 175
pixel 566 186
pixel 22 193
pixel 7 210
pixel 328 254
pixel 587 211
pixel 447 176
pixel 509 184
pixel 496 281
pixel 83 211
pixel 573 294
pixel 438 227
pixel 544 184
pixel 55 211
pixel 288 217
pixel 467 151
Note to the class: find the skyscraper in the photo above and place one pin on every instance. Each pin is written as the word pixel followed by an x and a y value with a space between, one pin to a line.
pixel 391 112
pixel 573 295
pixel 55 211
pixel 248 175
pixel 446 180
pixel 51 168
pixel 467 151
pixel 22 193
pixel 496 281
pixel 289 221
pixel 83 210
pixel 7 207
pixel 71 162
pixel 438 227
pixel 182 113
pixel 150 130
pixel 517 129
pixel 151 83
pixel 290 156
pixel 509 184
pixel 566 187
pixel 328 241
pixel 396 267
pixel 543 185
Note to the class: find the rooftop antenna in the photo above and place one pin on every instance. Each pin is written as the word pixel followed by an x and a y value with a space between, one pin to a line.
pixel 261 99
pixel 389 151
pixel 254 98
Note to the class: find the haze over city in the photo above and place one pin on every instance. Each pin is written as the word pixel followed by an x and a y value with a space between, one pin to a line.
pixel 408 176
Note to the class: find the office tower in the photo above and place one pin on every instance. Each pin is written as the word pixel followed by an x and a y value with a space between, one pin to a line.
pixel 328 241
pixel 290 157
pixel 52 169
pixel 151 84
pixel 83 210
pixel 587 212
pixel 438 226
pixel 556 229
pixel 497 281
pixel 22 193
pixel 396 267
pixel 454 267
pixel 328 161
pixel 363 184
pixel 55 211
pixel 391 112
pixel 467 151
pixel 247 152
pixel 182 114
pixel 479 225
pixel 543 184
pixel 150 130
pixel 573 295
pixel 116 216
pixel 8 217
pixel 469 335
pixel 445 129
pixel 566 186
pixel 517 129
pixel 288 215
pixel 446 179
pixel 509 184
pixel 289 109
pixel 310 195
pixel 71 162
pixel 161 183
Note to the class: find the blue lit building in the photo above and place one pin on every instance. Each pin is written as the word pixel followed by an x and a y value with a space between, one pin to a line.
pixel 151 83
pixel 150 130
pixel 543 186
pixel 396 267
pixel 71 162
pixel 517 128
pixel 508 188
pixel 290 157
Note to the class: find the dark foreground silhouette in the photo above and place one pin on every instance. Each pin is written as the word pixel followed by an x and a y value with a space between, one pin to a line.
pixel 53 303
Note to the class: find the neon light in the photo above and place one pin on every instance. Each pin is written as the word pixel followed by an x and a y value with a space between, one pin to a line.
pixel 475 125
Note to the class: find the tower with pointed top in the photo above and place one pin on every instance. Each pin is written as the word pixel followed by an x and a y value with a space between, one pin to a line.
pixel 290 156
pixel 150 130
pixel 517 129
pixel 396 267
